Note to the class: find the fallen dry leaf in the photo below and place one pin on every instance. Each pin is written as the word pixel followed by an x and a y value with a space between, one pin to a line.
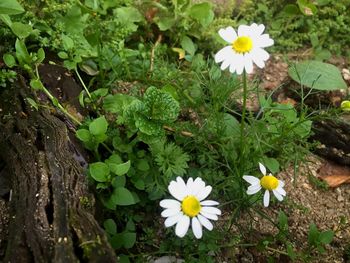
pixel 333 174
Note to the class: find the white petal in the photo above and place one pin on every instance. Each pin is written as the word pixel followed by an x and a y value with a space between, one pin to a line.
pixel 198 186
pixel 239 64
pixel 262 168
pixel 225 64
pixel 248 63
pixel 266 198
pixel 203 194
pixel 182 226
pixel 264 41
pixel 209 203
pixel 169 203
pixel 196 228
pixel 172 220
pixel 209 216
pixel 251 179
pixel 281 191
pixel 253 189
pixel 261 54
pixel 205 222
pixel 277 195
pixel 243 30
pixel 189 185
pixel 280 183
pixel 228 34
pixel 178 189
pixel 211 210
pixel 170 212
pixel 232 68
pixel 224 54
pixel 259 29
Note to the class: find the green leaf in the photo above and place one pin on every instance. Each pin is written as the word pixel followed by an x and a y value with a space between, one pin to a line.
pixel 22 52
pixel 140 184
pixel 326 237
pixel 317 75
pixel 313 234
pixel 122 196
pixel 272 164
pixel 21 30
pixel 291 10
pixel 232 126
pixel 291 252
pixel 83 135
pixel 10 7
pixel 99 171
pixel 165 23
pixel 33 103
pixel 67 42
pixel 142 165
pixel 36 84
pixel 98 126
pixel 41 55
pixel 119 181
pixel 129 239
pixel 187 45
pixel 306 7
pixel 120 169
pixel 203 13
pixel 117 103
pixel 282 221
pixel 110 226
pixel 62 55
pixel 9 60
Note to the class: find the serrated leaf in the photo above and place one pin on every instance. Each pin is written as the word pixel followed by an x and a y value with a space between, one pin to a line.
pixel 10 7
pixel 98 126
pixel 99 171
pixel 122 196
pixel 83 135
pixel 120 169
pixel 117 103
pixel 317 75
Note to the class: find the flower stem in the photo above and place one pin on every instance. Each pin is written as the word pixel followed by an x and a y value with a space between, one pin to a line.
pixel 244 105
pixel 82 83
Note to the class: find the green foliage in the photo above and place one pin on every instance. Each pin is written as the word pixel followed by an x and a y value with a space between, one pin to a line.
pixel 157 108
pixel 10 7
pixel 317 75
pixel 321 25
pixel 317 239
pixel 171 159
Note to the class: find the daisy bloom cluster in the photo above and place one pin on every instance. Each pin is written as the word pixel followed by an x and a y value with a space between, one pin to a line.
pixel 267 182
pixel 245 47
pixel 189 208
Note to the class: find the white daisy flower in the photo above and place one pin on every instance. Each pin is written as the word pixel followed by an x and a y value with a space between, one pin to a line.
pixel 246 46
pixel 267 182
pixel 190 207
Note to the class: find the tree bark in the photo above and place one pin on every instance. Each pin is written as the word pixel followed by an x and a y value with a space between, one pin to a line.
pixel 51 211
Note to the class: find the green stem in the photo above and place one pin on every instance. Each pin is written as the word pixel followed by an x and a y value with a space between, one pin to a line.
pixel 244 105
pixel 82 83
pixel 59 106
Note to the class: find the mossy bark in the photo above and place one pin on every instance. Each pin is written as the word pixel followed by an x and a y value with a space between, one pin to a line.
pixel 50 206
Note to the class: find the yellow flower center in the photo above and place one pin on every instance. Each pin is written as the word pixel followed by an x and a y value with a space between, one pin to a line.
pixel 191 206
pixel 242 44
pixel 269 182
